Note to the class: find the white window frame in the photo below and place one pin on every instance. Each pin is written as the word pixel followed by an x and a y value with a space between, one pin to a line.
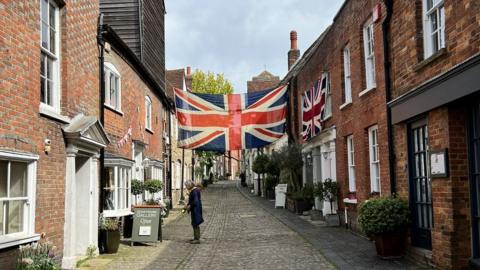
pixel 351 164
pixel 437 13
pixel 347 82
pixel 110 70
pixel 126 175
pixel 54 107
pixel 28 234
pixel 148 113
pixel 325 87
pixel 369 54
pixel 374 159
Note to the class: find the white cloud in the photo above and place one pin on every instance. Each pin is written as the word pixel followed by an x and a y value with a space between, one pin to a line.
pixel 239 37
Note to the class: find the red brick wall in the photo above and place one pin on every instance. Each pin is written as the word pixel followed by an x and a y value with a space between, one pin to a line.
pixel 462 35
pixel 133 91
pixel 365 111
pixel 21 126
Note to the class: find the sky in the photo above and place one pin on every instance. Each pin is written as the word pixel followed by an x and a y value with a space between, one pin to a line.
pixel 239 38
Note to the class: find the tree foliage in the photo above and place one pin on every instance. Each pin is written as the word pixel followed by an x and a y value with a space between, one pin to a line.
pixel 210 83
pixel 260 164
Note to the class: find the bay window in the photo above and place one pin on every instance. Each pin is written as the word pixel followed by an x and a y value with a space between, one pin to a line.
pixel 117 190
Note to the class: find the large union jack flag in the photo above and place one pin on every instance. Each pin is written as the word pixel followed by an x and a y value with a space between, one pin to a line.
pixel 230 122
pixel 313 107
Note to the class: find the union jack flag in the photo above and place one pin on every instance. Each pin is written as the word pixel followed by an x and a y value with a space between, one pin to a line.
pixel 313 108
pixel 230 122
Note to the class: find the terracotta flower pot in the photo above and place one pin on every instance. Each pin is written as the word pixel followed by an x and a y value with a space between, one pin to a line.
pixel 390 245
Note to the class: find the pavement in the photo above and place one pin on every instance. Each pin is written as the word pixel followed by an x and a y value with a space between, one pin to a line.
pixel 242 231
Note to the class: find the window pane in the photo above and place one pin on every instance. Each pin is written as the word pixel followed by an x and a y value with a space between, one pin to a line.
pixel 109 188
pixel 18 179
pixel 52 41
pixel 48 99
pixel 49 68
pixel 3 178
pixel 44 8
pixel 15 216
pixel 42 90
pixel 44 35
pixel 43 59
pixel 52 17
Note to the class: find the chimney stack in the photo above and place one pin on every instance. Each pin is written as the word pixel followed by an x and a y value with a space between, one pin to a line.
pixel 188 78
pixel 189 70
pixel 294 52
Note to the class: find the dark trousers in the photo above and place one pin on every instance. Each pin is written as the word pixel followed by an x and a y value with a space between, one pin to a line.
pixel 196 232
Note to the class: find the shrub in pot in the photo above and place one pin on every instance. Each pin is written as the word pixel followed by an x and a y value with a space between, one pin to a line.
pixel 386 220
pixel 330 193
pixel 153 186
pixel 300 200
pixel 318 196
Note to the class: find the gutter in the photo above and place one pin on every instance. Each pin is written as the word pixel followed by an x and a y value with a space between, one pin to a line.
pixel 388 93
pixel 101 64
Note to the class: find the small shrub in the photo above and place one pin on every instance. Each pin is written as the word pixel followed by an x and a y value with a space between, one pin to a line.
pixel 37 256
pixel 381 215
pixel 137 187
pixel 108 224
pixel 318 191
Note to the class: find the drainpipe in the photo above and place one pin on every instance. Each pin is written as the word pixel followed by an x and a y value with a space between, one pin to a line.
pixel 182 198
pixel 101 58
pixel 388 92
pixel 170 161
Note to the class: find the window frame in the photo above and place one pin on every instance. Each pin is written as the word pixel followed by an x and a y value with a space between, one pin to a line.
pixel 428 40
pixel 28 233
pixel 374 164
pixel 369 56
pixel 347 76
pixel 328 96
pixel 148 114
pixel 351 164
pixel 110 70
pixel 127 179
pixel 54 107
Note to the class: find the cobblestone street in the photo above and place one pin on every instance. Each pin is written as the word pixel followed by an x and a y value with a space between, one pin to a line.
pixel 237 234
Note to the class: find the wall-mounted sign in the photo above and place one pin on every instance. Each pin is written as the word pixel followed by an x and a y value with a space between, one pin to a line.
pixel 439 163
pixel 146 224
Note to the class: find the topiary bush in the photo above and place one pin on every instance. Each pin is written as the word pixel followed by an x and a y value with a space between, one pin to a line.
pixel 137 187
pixel 383 215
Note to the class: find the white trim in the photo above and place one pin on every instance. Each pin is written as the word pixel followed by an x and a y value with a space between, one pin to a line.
pixel 350 201
pixel 49 111
pixel 374 185
pixel 148 113
pixel 27 234
pixel 366 91
pixel 117 212
pixel 351 164
pixel 369 57
pixel 109 70
pixel 344 105
pixel 347 75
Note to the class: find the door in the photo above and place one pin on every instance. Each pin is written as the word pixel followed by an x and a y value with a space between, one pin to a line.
pixel 474 158
pixel 420 185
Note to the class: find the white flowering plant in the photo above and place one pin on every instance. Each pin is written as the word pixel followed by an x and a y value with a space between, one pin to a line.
pixel 37 256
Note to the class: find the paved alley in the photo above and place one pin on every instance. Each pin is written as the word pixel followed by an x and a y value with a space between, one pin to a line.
pixel 237 234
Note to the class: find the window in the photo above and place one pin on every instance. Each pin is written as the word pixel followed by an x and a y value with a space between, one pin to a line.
pixel 351 164
pixel 117 190
pixel 17 198
pixel 148 113
pixel 374 159
pixel 49 56
pixel 433 26
pixel 325 88
pixel 369 55
pixel 113 95
pixel 346 76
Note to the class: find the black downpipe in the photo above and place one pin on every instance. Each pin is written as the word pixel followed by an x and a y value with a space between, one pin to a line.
pixel 182 198
pixel 101 58
pixel 388 92
pixel 193 166
pixel 170 162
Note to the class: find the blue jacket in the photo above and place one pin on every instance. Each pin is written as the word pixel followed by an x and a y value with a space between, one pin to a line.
pixel 195 202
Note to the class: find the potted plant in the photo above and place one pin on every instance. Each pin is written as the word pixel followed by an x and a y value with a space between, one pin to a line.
pixel 301 200
pixel 39 255
pixel 110 229
pixel 137 188
pixel 259 167
pixel 386 220
pixel 270 183
pixel 153 186
pixel 318 193
pixel 330 193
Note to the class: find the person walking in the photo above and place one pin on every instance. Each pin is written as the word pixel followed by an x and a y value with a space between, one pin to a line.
pixel 194 206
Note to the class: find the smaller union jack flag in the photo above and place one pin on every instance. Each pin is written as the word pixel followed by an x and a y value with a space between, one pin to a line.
pixel 313 108
pixel 230 122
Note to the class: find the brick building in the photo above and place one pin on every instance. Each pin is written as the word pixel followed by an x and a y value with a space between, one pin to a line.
pixel 435 59
pixel 51 132
pixel 264 80
pixel 346 62
pixel 182 168
pixel 50 135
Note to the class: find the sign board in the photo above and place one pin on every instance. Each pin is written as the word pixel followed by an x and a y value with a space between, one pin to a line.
pixel 280 196
pixel 146 223
pixel 439 164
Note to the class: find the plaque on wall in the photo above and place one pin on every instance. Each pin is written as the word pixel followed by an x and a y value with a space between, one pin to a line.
pixel 438 163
